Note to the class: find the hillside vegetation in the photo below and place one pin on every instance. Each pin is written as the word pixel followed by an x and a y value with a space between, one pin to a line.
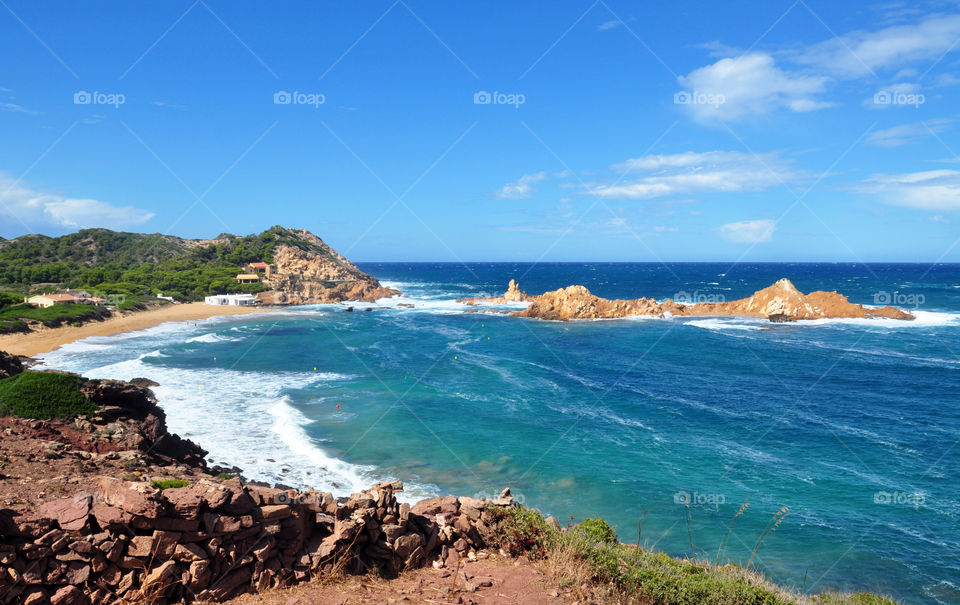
pixel 136 264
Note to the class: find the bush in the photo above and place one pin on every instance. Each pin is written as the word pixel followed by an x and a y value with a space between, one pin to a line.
pixel 44 395
pixel 522 531
pixel 162 484
pixel 598 531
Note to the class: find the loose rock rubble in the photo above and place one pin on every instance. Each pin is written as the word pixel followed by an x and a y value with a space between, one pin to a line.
pixel 126 542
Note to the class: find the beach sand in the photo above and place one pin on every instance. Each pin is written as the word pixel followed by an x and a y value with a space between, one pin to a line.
pixel 44 341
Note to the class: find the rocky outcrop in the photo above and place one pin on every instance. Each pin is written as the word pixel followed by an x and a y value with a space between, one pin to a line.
pixel 9 365
pixel 128 542
pixel 315 273
pixel 782 301
pixel 513 294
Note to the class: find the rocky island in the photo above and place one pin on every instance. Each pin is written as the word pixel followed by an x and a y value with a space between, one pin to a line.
pixel 780 302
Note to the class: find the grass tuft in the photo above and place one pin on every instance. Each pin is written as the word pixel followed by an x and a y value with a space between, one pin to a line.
pixel 162 484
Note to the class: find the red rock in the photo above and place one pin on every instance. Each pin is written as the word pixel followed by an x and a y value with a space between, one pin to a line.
pixel 110 517
pixel 77 573
pixel 432 506
pixel 275 512
pixel 141 546
pixel 135 498
pixel 158 581
pixel 70 513
pixel 188 501
pixel 189 552
pixel 68 595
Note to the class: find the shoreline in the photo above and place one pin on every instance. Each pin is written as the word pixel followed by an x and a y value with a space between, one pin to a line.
pixel 50 339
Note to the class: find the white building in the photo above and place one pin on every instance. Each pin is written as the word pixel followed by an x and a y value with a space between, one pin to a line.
pixel 233 300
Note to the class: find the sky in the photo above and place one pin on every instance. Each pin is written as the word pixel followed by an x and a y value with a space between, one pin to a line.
pixel 410 130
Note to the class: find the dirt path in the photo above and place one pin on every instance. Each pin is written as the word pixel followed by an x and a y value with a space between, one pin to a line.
pixel 494 581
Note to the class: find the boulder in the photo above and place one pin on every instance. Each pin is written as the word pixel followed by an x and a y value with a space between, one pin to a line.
pixel 135 498
pixel 9 365
pixel 71 514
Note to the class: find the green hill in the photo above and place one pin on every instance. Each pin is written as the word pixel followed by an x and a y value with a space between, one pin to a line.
pixel 136 264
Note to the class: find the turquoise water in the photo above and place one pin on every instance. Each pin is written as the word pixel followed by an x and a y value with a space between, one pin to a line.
pixel 851 424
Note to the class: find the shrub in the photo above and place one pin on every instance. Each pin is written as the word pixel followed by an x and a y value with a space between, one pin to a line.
pixel 44 395
pixel 163 484
pixel 598 531
pixel 522 531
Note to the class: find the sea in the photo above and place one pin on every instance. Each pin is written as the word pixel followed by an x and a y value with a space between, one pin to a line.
pixel 845 431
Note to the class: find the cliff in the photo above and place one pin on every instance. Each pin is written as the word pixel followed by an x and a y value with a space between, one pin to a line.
pixel 781 301
pixel 316 273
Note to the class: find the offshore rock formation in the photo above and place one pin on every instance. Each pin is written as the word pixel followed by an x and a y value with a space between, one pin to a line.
pixel 313 273
pixel 781 302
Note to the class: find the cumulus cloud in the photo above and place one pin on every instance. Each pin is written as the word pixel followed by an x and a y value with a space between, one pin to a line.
pixel 907 133
pixel 39 210
pixel 749 232
pixel 692 172
pixel 521 188
pixel 750 84
pixel 937 190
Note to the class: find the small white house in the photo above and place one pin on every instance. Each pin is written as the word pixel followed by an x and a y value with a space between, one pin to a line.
pixel 162 297
pixel 231 300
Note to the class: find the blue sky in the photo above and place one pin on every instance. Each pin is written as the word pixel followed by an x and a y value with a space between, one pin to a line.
pixel 413 130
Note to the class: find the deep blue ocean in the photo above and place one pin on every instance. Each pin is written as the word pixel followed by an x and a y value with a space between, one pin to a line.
pixel 851 424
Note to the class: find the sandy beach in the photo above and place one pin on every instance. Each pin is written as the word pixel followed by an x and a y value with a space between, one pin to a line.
pixel 44 341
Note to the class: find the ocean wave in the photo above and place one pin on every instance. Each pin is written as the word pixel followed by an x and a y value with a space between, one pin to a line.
pixel 726 324
pixel 244 419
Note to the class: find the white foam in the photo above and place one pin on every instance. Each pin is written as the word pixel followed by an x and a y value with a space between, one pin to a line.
pixel 924 319
pixel 243 419
pixel 724 324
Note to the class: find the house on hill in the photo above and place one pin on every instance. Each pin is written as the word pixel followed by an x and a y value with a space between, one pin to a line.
pixel 45 301
pixel 248 278
pixel 261 267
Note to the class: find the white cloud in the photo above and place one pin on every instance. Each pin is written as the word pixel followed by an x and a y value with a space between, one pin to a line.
pixel 797 79
pixel 861 54
pixel 937 190
pixel 521 188
pixel 608 25
pixel 749 232
pixel 907 133
pixel 733 88
pixel 691 172
pixel 38 210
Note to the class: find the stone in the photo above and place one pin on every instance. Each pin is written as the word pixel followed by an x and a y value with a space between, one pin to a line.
pixel 165 542
pixel 68 595
pixel 275 512
pixel 141 546
pixel 200 574
pixel 111 517
pixel 188 501
pixel 405 545
pixel 135 498
pixel 71 514
pixel 433 506
pixel 189 552
pixel 159 580
pixel 77 573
